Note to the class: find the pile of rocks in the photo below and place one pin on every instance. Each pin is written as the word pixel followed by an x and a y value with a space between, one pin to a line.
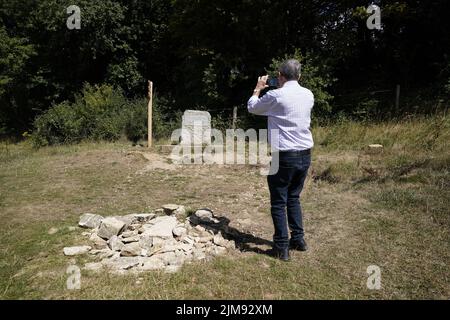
pixel 164 239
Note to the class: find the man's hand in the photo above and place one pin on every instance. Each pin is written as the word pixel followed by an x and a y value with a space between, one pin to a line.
pixel 260 85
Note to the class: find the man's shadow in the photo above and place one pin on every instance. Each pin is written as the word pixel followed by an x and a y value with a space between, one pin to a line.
pixel 242 240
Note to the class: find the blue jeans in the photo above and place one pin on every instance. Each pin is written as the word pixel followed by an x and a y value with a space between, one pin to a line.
pixel 285 187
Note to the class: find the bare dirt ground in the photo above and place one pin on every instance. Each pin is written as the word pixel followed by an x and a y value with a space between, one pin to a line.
pixel 347 229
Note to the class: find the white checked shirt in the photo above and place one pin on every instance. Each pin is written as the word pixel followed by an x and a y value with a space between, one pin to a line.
pixel 289 110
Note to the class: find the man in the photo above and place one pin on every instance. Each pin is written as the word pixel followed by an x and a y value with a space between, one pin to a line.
pixel 289 110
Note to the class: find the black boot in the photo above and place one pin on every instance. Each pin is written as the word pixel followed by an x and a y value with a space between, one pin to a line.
pixel 282 254
pixel 298 245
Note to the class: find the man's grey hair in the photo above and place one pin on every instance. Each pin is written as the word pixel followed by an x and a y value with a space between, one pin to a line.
pixel 290 69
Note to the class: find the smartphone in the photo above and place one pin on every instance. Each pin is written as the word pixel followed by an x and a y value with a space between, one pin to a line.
pixel 272 82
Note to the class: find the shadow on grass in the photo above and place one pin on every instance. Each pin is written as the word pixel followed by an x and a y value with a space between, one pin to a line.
pixel 245 242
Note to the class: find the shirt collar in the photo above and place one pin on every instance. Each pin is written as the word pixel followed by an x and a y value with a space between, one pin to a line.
pixel 290 83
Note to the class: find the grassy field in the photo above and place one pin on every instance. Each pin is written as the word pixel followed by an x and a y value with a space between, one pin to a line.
pixel 389 209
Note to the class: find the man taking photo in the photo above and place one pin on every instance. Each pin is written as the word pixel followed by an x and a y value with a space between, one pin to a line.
pixel 288 111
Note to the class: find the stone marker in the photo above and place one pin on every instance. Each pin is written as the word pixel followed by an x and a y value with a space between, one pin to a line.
pixel 197 126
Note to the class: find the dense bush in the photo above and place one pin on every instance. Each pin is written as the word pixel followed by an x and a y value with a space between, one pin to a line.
pixel 95 114
pixel 100 113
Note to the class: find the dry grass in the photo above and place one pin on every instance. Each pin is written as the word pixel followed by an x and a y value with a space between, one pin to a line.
pixel 388 209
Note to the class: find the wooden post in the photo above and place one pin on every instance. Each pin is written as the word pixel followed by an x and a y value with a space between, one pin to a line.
pixel 150 107
pixel 397 98
pixel 234 118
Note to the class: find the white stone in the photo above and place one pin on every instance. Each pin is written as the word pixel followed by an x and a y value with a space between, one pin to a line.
pixel 90 220
pixel 170 208
pixel 146 241
pixel 143 217
pixel 181 211
pixel 170 258
pixel 198 254
pixel 115 243
pixel 200 228
pixel 129 234
pixel 102 253
pixel 122 263
pixel 203 216
pixel 126 220
pixel 231 245
pixel 199 245
pixel 172 268
pixel 219 240
pixel 53 230
pixel 158 242
pixel 169 248
pixel 188 256
pixel 174 209
pixel 131 239
pixel 162 227
pixel 110 227
pixel 204 239
pixel 186 247
pixel 218 251
pixel 134 227
pixel 151 263
pixel 179 231
pixel 189 240
pixel 73 251
pixel 97 242
pixel 131 250
pixel 147 226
